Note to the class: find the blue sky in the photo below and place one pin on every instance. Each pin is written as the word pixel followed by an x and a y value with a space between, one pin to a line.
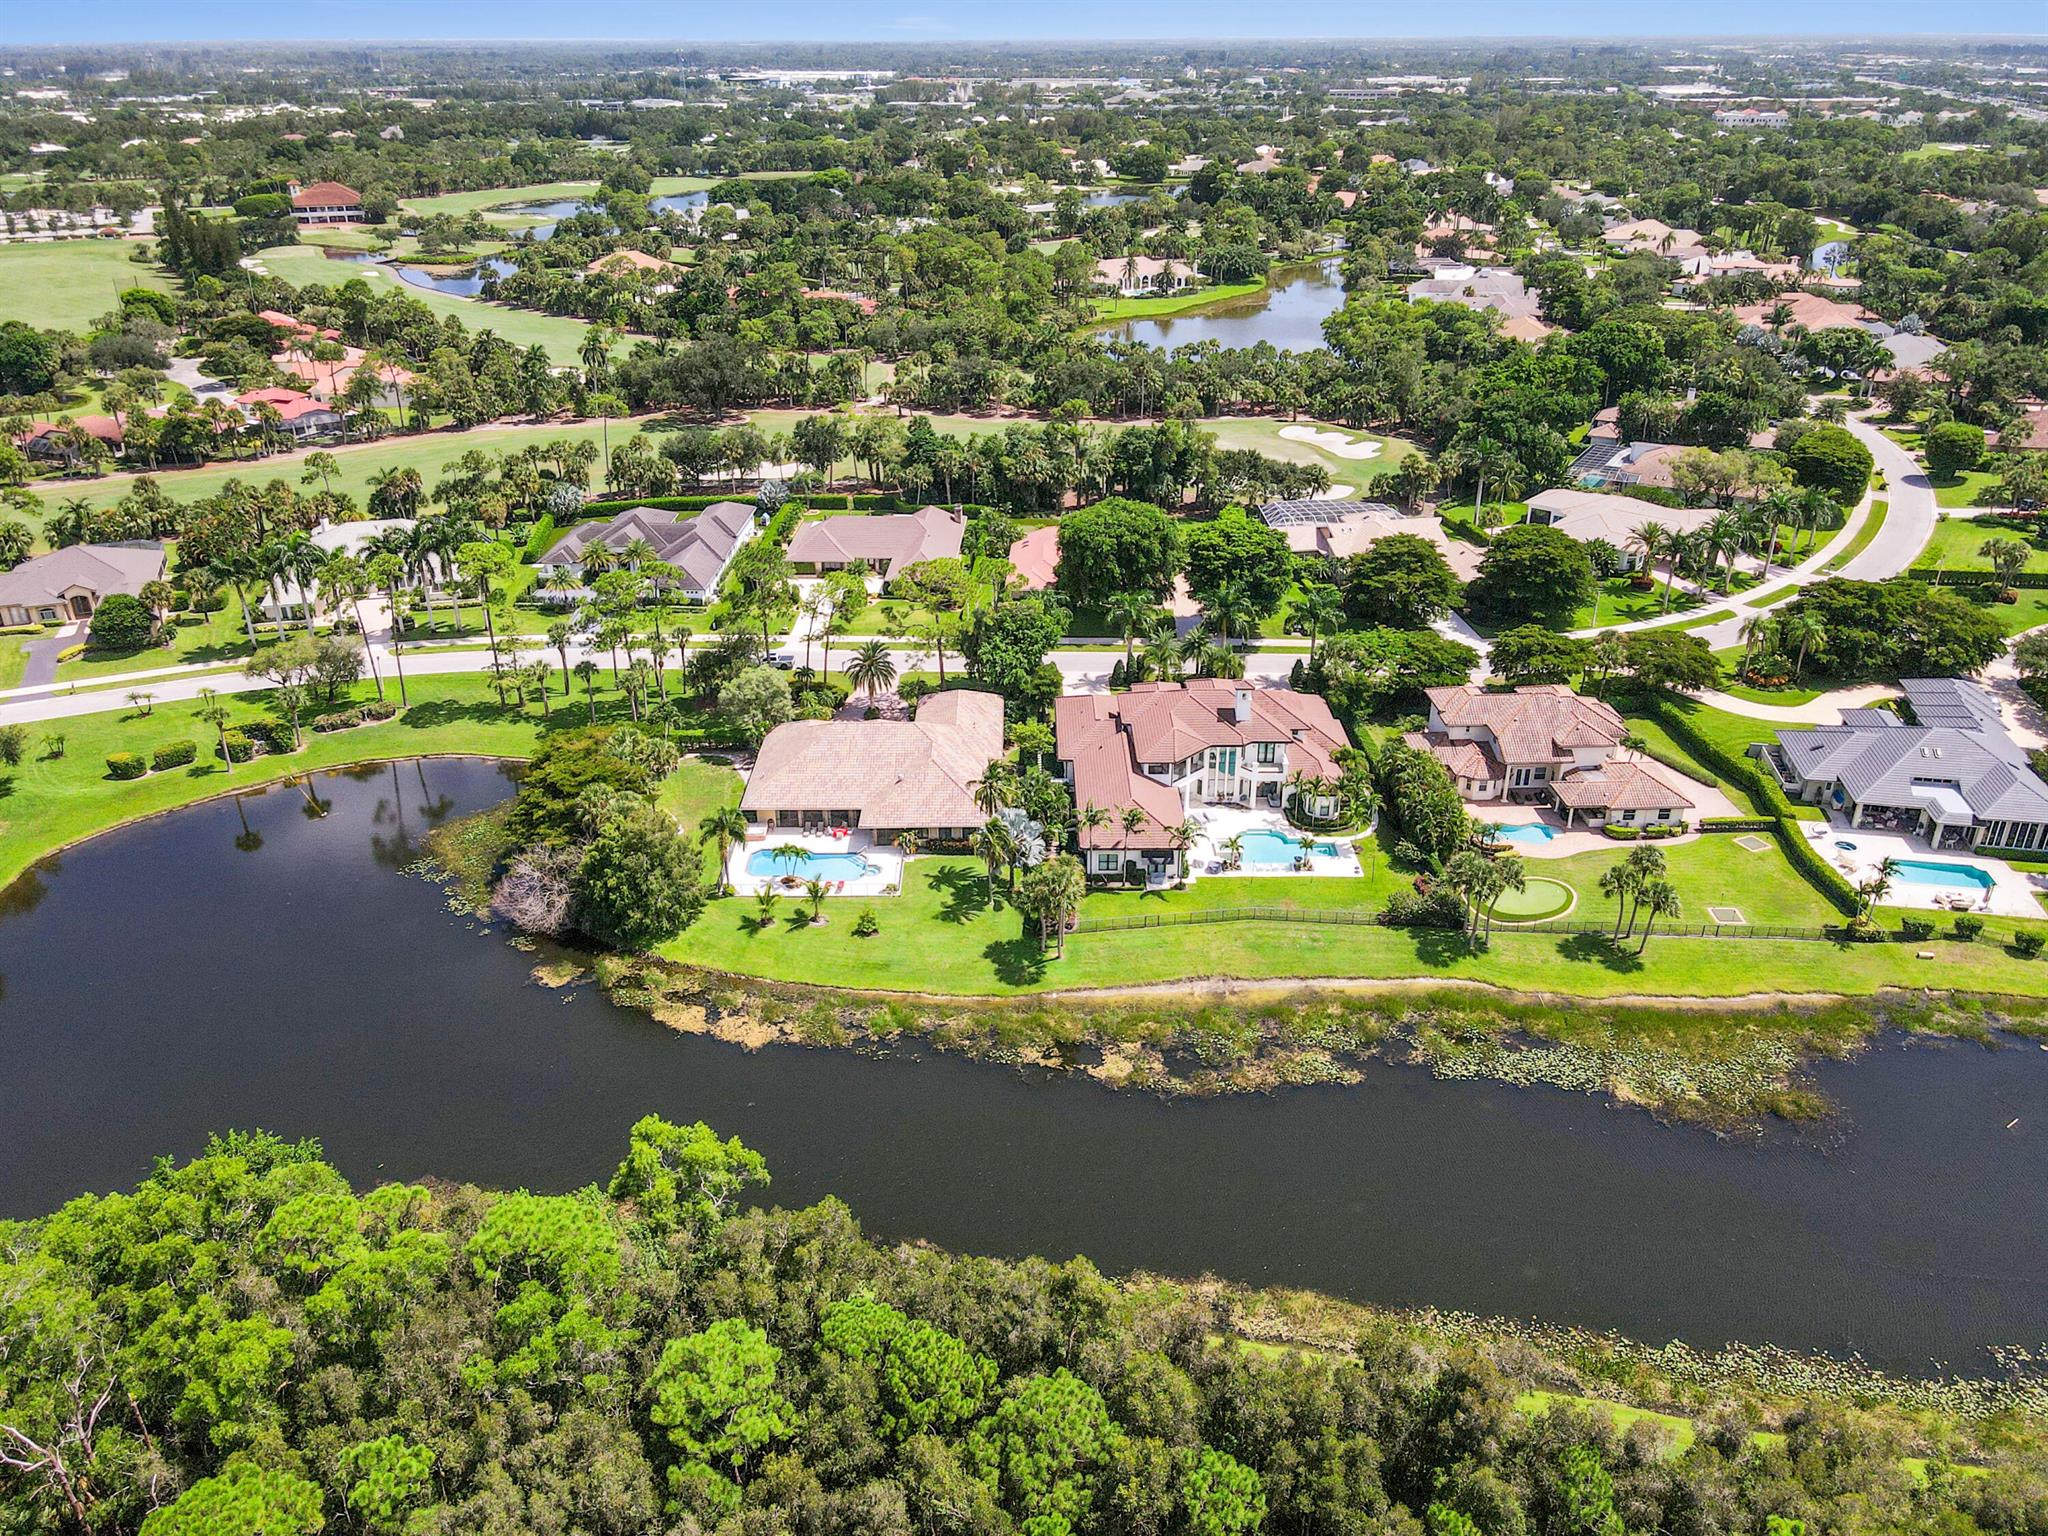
pixel 900 20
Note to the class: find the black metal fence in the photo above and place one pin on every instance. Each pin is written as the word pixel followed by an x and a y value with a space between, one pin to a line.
pixel 1351 917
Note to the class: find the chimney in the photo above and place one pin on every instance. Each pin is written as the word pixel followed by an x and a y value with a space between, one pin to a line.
pixel 1241 703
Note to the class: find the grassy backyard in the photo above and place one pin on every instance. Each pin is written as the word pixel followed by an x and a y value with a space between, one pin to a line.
pixel 70 283
pixel 1973 487
pixel 1109 311
pixel 1956 542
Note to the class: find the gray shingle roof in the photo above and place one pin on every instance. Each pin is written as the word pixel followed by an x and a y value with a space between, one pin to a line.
pixel 101 569
pixel 698 545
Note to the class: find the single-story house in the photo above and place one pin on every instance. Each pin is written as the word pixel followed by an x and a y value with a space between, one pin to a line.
pixel 1955 776
pixel 887 543
pixel 1652 235
pixel 880 776
pixel 287 600
pixel 1810 311
pixel 69 584
pixel 52 439
pixel 1500 289
pixel 1338 530
pixel 1137 276
pixel 1611 461
pixel 1590 515
pixel 326 202
pixel 1167 747
pixel 700 545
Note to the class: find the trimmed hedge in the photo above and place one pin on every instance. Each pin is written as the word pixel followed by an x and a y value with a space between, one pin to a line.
pixel 238 746
pixel 126 765
pixel 176 755
pixel 1769 798
pixel 1736 823
pixel 540 538
pixel 21 629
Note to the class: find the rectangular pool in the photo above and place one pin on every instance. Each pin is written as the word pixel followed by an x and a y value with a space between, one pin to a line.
pixel 1274 850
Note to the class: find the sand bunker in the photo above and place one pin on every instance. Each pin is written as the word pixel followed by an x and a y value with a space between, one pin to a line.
pixel 1332 442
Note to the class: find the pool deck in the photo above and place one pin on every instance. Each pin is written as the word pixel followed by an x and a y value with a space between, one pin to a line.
pixel 886 879
pixel 2012 894
pixel 1220 823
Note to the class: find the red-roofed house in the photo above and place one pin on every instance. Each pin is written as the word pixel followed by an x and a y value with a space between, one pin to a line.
pixel 326 202
pixel 1036 557
pixel 57 439
pixel 302 415
pixel 1166 747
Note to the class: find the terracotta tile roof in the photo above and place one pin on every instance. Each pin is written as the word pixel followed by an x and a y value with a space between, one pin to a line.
pixel 1539 724
pixel 1465 759
pixel 327 194
pixel 1619 787
pixel 895 773
pixel 1037 557
pixel 1812 310
pixel 886 542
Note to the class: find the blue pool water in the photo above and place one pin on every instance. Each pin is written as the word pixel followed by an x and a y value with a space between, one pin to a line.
pixel 1927 872
pixel 1275 848
pixel 812 866
pixel 1527 832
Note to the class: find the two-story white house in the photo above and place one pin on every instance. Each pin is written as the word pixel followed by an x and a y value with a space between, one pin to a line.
pixel 1164 748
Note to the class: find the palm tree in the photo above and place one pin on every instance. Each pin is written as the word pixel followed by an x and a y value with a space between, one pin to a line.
pixel 215 714
pixel 1128 613
pixel 1803 630
pixel 1660 899
pixel 1510 874
pixel 1722 536
pixel 1467 874
pixel 2008 558
pixel 559 634
pixel 727 827
pixel 587 670
pixel 343 580
pixel 1162 657
pixel 1617 884
pixel 1755 629
pixel 1232 848
pixel 906 843
pixel 386 572
pixel 1650 540
pixel 765 900
pixel 872 669
pixel 991 844
pixel 1878 886
pixel 1230 609
pixel 996 788
pixel 1316 611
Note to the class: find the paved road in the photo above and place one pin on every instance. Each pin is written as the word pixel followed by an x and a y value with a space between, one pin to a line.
pixel 1909 524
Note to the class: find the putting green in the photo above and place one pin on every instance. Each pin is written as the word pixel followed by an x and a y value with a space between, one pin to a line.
pixel 1541 897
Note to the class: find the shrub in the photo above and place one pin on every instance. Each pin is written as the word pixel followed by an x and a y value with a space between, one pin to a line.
pixel 271 735
pixel 340 720
pixel 1436 907
pixel 176 755
pixel 379 709
pixel 1624 834
pixel 867 925
pixel 2027 943
pixel 1408 855
pixel 1967 928
pixel 122 623
pixel 1864 930
pixel 1916 930
pixel 126 765
pixel 71 652
pixel 238 746
pixel 1736 823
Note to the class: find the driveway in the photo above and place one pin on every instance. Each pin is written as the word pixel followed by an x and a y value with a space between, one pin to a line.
pixel 42 656
pixel 1910 522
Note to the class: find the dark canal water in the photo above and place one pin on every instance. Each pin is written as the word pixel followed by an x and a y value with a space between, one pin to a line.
pixel 1289 314
pixel 243 963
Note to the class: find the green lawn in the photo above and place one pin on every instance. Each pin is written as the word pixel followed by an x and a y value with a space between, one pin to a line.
pixel 559 335
pixel 70 283
pixel 195 639
pixel 1110 311
pixel 1966 489
pixel 1956 540
pixel 1864 535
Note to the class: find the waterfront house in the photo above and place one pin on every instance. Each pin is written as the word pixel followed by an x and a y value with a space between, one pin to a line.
pixel 1166 748
pixel 1136 277
pixel 880 777
pixel 1952 774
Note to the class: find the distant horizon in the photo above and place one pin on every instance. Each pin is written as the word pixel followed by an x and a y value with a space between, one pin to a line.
pixel 1050 23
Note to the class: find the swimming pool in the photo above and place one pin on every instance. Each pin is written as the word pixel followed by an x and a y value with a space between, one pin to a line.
pixel 1927 872
pixel 812 866
pixel 1533 832
pixel 1272 850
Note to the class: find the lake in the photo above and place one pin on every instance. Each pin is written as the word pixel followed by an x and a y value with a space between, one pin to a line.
pixel 1289 315
pixel 467 284
pixel 247 962
pixel 568 208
